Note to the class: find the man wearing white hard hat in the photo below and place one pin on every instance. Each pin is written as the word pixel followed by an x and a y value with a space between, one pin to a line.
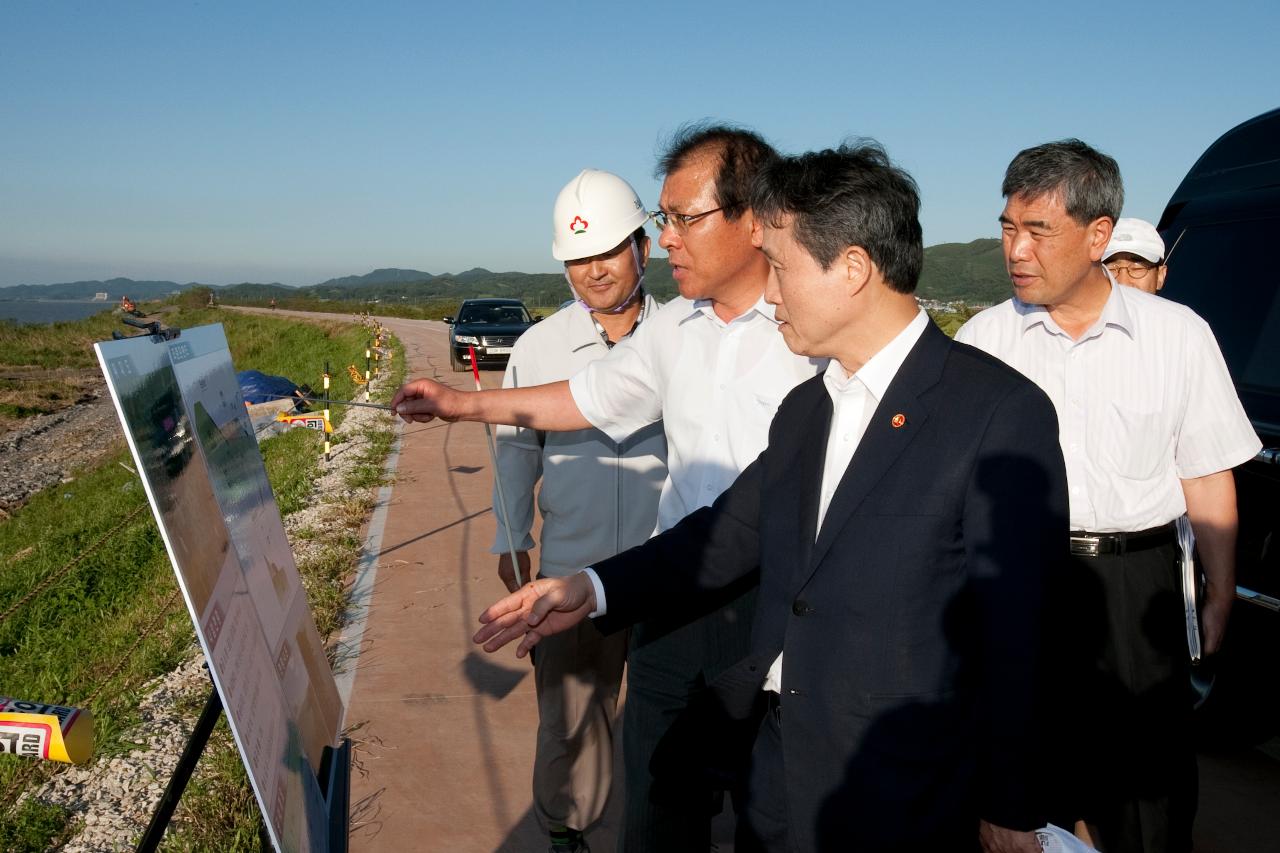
pixel 597 496
pixel 1135 255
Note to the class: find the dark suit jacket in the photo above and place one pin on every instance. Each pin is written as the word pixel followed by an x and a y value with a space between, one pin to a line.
pixel 912 625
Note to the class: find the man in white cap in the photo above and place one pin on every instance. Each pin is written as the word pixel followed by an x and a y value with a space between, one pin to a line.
pixel 1135 255
pixel 597 497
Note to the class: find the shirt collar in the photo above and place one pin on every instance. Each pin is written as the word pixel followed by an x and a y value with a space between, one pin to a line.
pixel 1115 312
pixel 880 370
pixel 707 308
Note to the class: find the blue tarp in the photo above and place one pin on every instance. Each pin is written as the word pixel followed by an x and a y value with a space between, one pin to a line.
pixel 258 387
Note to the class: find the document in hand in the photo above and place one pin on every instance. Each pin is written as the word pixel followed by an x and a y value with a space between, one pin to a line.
pixel 1187 542
pixel 1055 839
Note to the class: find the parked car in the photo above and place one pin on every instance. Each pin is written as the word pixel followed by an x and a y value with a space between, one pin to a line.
pixel 491 326
pixel 1221 225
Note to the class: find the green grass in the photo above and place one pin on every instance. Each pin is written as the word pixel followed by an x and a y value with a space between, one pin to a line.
pixel 32 826
pixel 65 645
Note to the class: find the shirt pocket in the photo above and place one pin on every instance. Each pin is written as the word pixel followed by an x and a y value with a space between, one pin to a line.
pixel 1132 442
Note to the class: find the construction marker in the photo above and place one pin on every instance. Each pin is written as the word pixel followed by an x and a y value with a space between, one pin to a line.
pixel 497 481
pixel 51 732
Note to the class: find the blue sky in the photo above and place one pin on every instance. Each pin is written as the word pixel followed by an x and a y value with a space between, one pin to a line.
pixel 223 142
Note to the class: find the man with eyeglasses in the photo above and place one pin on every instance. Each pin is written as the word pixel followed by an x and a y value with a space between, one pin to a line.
pixel 713 367
pixel 1150 427
pixel 1135 255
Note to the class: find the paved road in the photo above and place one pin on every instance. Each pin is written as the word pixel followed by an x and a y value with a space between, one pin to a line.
pixel 450 731
pixel 447 733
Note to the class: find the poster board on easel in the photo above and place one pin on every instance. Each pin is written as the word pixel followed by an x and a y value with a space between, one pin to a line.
pixel 185 422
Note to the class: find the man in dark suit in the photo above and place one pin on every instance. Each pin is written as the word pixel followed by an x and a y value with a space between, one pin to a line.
pixel 904 521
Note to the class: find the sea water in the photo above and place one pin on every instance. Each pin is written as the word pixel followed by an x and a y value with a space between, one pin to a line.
pixel 30 312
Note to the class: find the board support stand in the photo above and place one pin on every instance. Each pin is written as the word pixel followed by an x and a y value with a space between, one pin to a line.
pixel 182 773
pixel 334 778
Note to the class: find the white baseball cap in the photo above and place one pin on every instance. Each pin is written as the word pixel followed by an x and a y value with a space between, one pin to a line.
pixel 1137 237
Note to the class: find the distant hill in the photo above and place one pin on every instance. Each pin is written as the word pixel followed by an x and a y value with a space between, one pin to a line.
pixel 113 287
pixel 971 272
pixel 383 276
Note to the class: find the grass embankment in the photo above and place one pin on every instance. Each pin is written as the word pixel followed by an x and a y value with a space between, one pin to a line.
pixel 113 621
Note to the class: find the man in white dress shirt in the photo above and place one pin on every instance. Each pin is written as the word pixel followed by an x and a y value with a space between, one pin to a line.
pixel 596 496
pixel 1150 427
pixel 712 367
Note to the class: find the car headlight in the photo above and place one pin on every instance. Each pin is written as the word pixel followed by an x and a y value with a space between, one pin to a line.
pixel 466 339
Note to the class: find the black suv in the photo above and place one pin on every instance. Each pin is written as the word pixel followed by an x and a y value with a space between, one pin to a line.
pixel 1221 225
pixel 491 326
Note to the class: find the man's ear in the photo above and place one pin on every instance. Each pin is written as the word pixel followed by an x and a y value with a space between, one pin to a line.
pixel 858 268
pixel 644 245
pixel 1161 271
pixel 1099 231
pixel 757 230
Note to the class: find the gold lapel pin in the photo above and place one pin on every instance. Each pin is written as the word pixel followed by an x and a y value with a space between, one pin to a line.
pixel 899 420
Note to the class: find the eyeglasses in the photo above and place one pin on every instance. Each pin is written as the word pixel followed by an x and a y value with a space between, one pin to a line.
pixel 680 221
pixel 1137 272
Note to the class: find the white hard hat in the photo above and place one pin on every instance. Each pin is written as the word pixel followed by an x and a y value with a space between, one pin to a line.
pixel 594 212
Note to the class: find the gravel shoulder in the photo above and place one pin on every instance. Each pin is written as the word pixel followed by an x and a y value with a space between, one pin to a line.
pixel 45 450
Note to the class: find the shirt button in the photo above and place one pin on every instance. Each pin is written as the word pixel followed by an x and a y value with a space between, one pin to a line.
pixel 710 488
pixel 1075 448
pixel 716 437
pixel 846 436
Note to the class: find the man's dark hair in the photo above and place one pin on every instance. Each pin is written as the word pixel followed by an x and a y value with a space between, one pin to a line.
pixel 1088 180
pixel 850 196
pixel 742 154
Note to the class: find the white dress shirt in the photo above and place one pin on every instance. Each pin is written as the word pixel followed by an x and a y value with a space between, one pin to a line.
pixel 597 497
pixel 714 385
pixel 853 400
pixel 1143 399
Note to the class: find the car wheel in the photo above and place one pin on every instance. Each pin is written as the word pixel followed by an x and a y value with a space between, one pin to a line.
pixel 456 363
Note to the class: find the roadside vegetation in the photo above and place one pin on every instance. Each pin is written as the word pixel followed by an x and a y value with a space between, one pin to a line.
pixel 91 633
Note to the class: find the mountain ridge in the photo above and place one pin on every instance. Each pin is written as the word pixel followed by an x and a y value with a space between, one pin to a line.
pixel 971 272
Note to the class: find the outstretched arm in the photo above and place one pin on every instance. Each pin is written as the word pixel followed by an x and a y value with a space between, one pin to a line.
pixel 546 407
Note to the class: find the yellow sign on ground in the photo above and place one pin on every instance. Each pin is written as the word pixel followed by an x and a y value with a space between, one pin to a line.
pixel 51 732
pixel 308 420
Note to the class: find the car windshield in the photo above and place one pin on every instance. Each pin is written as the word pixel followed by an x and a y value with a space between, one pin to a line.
pixel 494 315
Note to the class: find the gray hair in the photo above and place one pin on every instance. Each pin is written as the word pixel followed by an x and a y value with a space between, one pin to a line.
pixel 1088 180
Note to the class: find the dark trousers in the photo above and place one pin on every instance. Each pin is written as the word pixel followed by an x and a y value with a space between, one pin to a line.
pixel 765 822
pixel 1141 782
pixel 762 826
pixel 669 661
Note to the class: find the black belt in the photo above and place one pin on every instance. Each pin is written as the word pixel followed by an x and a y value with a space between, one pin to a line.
pixel 1086 544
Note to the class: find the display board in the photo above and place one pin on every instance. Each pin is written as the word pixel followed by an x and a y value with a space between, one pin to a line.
pixel 180 405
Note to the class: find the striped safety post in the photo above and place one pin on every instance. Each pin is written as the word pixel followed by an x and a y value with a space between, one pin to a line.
pixel 326 411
